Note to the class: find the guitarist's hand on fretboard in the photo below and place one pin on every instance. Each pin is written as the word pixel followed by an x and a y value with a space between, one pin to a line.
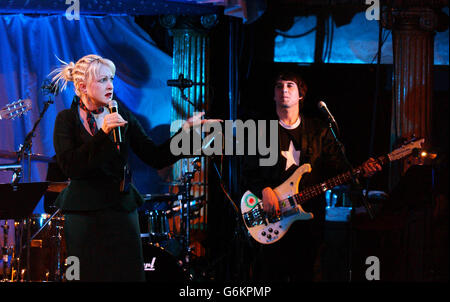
pixel 270 201
pixel 370 167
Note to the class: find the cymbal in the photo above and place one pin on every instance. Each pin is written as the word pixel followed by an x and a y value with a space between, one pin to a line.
pixel 7 154
pixel 181 184
pixel 35 157
pixel 160 197
pixel 41 157
pixel 57 186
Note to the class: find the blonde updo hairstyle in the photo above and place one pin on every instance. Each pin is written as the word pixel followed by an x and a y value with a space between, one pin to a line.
pixel 82 71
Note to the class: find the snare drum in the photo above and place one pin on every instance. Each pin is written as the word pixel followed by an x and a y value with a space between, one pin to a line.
pixel 162 266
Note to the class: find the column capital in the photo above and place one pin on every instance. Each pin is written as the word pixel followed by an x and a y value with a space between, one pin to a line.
pixel 198 24
pixel 414 19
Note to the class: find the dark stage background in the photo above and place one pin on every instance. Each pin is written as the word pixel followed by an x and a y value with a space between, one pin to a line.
pixel 409 234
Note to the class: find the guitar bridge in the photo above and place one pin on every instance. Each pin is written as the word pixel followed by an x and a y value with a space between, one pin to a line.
pixel 255 216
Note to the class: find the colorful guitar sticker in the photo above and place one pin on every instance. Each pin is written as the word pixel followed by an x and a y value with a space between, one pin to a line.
pixel 251 200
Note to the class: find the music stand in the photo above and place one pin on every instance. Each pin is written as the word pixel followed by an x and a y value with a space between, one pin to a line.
pixel 18 202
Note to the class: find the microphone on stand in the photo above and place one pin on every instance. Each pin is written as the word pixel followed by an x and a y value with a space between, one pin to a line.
pixel 50 87
pixel 117 132
pixel 323 107
pixel 181 82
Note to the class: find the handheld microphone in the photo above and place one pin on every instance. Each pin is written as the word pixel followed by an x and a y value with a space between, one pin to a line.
pixel 116 131
pixel 323 107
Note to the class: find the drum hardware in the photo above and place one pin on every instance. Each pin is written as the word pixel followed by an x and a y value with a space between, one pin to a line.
pixel 185 211
pixel 159 197
pixel 195 205
pixel 158 239
pixel 58 270
pixel 6 252
pixel 158 225
pixel 182 183
pixel 162 266
pixel 43 262
pixel 32 242
pixel 17 203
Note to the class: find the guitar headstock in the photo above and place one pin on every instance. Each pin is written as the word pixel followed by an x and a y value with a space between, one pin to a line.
pixel 407 149
pixel 15 109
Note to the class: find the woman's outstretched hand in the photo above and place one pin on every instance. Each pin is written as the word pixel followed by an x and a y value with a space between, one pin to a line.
pixel 197 120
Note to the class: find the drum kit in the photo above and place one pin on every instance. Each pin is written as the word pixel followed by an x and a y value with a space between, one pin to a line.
pixel 165 231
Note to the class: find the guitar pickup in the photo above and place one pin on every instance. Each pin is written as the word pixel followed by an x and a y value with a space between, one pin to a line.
pixel 291 201
pixel 255 216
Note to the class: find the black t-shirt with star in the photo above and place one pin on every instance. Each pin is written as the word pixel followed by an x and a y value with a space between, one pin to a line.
pixel 290 153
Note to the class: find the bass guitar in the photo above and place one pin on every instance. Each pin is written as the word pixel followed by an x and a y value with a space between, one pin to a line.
pixel 269 229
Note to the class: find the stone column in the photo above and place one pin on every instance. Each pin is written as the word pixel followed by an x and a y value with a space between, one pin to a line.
pixel 191 59
pixel 413 31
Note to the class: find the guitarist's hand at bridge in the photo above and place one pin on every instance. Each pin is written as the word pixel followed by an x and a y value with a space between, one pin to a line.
pixel 270 202
pixel 370 167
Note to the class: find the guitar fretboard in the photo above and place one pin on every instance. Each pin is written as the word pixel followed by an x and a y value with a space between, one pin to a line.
pixel 316 190
pixel 343 178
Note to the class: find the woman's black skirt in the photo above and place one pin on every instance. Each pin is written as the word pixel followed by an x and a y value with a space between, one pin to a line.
pixel 107 243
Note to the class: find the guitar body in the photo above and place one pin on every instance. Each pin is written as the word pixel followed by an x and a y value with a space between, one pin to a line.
pixel 266 230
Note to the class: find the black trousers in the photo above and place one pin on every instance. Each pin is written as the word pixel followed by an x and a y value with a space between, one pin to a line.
pixel 107 243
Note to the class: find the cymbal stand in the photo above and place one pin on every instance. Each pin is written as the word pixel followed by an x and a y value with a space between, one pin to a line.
pixel 58 238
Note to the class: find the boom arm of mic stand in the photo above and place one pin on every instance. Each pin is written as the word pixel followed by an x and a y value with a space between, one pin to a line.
pixel 190 102
pixel 26 147
pixel 349 165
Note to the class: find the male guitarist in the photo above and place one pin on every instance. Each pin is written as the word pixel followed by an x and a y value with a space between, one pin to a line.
pixel 301 140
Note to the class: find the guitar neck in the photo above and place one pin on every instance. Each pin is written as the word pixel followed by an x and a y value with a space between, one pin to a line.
pixel 343 178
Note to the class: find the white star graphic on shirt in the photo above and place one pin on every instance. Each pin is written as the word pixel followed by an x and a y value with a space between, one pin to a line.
pixel 292 156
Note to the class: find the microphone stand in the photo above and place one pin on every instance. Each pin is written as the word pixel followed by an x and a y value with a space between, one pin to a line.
pixel 25 149
pixel 354 179
pixel 364 197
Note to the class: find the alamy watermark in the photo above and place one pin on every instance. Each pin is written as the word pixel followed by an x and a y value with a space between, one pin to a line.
pixel 373 271
pixel 230 139
pixel 373 11
pixel 73 11
pixel 73 268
